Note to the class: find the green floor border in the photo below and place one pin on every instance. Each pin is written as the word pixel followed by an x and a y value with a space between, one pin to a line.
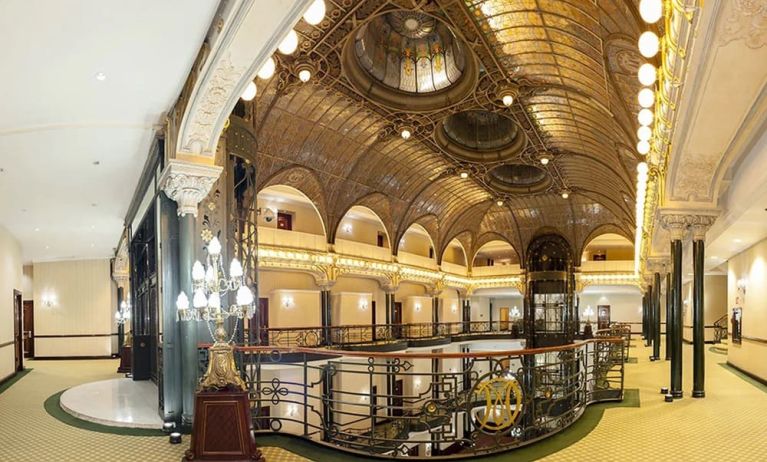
pixel 15 378
pixel 577 431
pixel 716 350
pixel 745 377
pixel 52 406
pixel 632 360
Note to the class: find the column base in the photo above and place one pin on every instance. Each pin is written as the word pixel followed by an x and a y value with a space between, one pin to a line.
pixel 668 398
pixel 677 394
pixel 664 390
pixel 698 394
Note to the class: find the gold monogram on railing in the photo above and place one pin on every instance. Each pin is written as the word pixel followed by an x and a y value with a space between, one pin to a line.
pixel 502 396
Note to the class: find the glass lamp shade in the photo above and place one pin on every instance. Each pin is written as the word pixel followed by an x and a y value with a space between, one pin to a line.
pixel 651 10
pixel 315 13
pixel 182 302
pixel 642 167
pixel 646 98
pixel 119 317
pixel 235 268
pixel 214 246
pixel 507 100
pixel 250 92
pixel 643 147
pixel 267 70
pixel 244 296
pixel 210 275
pixel 289 43
pixel 304 75
pixel 199 300
pixel 214 300
pixel 645 117
pixel 198 272
pixel 644 133
pixel 647 74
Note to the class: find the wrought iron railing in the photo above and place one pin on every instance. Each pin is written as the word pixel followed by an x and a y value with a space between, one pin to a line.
pixel 620 330
pixel 720 329
pixel 362 334
pixel 428 404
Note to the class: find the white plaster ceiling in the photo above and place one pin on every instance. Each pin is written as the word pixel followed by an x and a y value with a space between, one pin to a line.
pixel 57 119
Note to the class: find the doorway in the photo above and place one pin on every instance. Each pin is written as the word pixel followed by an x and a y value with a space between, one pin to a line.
pixel 18 329
pixel 397 319
pixel 603 316
pixel 397 401
pixel 29 329
pixel 504 318
pixel 261 323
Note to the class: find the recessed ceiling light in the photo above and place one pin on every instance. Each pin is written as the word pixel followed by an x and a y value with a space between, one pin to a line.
pixel 47 247
pixel 94 204
pixel 100 76
pixel 464 175
pixel 96 162
pixel 37 229
pixel 93 245
pixel 737 240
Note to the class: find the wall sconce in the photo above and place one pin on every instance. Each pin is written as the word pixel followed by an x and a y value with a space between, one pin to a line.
pixel 588 313
pixel 515 312
pixel 287 302
pixel 417 383
pixel 347 228
pixel 363 304
pixel 267 213
pixel 292 411
pixel 742 283
pixel 49 300
pixel 417 306
pixel 454 308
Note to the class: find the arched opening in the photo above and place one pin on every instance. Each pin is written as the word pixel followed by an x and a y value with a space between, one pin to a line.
pixel 288 218
pixel 454 258
pixel 495 253
pixel 361 232
pixel 416 247
pixel 608 246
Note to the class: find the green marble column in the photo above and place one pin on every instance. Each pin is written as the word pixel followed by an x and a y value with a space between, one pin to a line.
pixel 698 355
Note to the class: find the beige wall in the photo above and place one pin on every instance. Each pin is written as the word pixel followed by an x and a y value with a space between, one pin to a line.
pixel 611 253
pixel 415 242
pixel 714 304
pixel 624 307
pixel 86 301
pixel 454 254
pixel 352 313
pixel 26 282
pixel 363 231
pixel 10 279
pixel 750 266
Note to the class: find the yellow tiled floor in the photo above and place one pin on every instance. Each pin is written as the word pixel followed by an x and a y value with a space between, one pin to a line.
pixel 729 424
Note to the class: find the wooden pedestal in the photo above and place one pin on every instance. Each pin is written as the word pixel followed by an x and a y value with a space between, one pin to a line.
pixel 125 359
pixel 222 428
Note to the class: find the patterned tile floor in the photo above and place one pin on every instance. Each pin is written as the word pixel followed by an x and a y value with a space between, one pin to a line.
pixel 729 424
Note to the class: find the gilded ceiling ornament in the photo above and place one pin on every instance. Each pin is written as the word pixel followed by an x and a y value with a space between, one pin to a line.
pixel 746 20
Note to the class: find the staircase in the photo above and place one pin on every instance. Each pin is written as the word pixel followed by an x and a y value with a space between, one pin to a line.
pixel 720 329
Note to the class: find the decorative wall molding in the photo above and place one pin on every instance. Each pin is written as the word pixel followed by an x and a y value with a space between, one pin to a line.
pixel 188 184
pixel 747 21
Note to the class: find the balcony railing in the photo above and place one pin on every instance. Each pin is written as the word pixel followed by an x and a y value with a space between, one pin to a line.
pixel 428 405
pixel 362 334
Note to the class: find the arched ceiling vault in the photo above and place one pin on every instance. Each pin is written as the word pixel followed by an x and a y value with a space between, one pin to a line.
pixel 573 62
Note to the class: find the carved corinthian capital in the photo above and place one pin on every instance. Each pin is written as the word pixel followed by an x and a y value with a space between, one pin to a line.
pixel 676 224
pixel 188 183
pixel 699 224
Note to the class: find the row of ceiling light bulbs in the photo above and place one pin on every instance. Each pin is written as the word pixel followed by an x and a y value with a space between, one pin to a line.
pixel 651 12
pixel 313 16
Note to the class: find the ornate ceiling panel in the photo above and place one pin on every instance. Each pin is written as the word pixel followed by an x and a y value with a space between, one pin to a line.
pixel 571 66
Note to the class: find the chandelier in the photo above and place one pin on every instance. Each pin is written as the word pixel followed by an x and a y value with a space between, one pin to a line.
pixel 212 289
pixel 122 315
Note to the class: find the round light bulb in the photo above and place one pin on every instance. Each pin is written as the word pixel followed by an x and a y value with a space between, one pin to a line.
pixel 214 246
pixel 642 167
pixel 507 100
pixel 651 10
pixel 643 147
pixel 267 70
pixel 214 301
pixel 244 296
pixel 644 133
pixel 649 44
pixel 645 117
pixel 405 133
pixel 315 13
pixel 289 43
pixel 647 74
pixel 499 202
pixel 565 194
pixel 646 98
pixel 199 300
pixel 250 92
pixel 464 175
pixel 545 160
pixel 304 75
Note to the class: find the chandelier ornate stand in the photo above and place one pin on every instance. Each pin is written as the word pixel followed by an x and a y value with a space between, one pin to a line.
pixel 122 317
pixel 221 403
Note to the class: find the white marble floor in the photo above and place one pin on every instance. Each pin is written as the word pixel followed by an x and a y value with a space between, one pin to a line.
pixel 117 402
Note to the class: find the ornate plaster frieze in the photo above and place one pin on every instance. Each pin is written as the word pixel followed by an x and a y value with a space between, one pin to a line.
pixel 676 224
pixel 745 20
pixel 188 184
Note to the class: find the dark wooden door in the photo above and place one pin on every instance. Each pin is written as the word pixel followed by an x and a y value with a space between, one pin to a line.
pixel 262 320
pixel 603 316
pixel 397 391
pixel 284 221
pixel 18 331
pixel 397 319
pixel 29 329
